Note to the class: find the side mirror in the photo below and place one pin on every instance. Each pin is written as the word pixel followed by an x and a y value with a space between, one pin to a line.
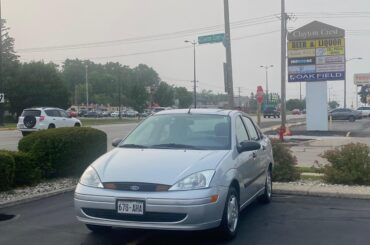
pixel 248 146
pixel 116 142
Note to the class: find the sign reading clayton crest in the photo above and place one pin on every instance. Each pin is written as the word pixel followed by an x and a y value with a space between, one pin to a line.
pixel 316 52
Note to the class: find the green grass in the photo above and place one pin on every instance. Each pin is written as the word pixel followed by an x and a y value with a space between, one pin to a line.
pixel 9 125
pixel 311 177
pixel 309 170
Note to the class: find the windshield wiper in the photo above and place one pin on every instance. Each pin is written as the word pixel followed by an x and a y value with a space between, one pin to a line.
pixel 175 146
pixel 133 146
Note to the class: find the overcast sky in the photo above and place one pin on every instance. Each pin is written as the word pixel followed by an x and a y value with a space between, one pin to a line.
pixel 48 23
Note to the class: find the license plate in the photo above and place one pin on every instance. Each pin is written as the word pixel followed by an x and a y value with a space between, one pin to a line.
pixel 130 207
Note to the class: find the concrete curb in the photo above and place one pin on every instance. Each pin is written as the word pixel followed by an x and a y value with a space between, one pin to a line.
pixel 35 197
pixel 7 129
pixel 358 192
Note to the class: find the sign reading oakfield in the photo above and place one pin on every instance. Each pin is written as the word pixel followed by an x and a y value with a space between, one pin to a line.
pixel 316 52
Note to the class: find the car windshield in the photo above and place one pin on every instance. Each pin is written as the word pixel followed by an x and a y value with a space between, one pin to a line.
pixel 35 113
pixel 181 131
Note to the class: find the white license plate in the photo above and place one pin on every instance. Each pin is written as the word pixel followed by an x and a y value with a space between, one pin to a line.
pixel 130 207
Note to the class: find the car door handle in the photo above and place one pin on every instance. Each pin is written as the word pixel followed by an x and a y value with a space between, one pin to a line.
pixel 263 148
pixel 254 155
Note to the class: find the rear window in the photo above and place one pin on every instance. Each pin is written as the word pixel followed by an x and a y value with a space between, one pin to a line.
pixel 35 113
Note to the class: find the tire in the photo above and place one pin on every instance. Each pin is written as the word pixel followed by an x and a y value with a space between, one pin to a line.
pixel 51 126
pixel 77 125
pixel 351 119
pixel 274 116
pixel 266 197
pixel 25 133
pixel 29 121
pixel 264 116
pixel 98 228
pixel 230 218
pixel 269 116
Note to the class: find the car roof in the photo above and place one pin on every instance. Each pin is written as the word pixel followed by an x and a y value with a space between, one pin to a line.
pixel 221 112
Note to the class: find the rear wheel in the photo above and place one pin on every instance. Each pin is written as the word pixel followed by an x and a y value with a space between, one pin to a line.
pixel 77 125
pixel 24 133
pixel 266 196
pixel 51 126
pixel 229 224
pixel 98 228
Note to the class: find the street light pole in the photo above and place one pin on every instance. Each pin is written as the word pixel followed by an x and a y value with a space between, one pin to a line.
pixel 345 79
pixel 2 108
pixel 194 43
pixel 229 66
pixel 266 67
pixel 87 87
pixel 283 66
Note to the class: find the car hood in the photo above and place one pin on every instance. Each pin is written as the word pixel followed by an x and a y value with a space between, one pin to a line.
pixel 159 166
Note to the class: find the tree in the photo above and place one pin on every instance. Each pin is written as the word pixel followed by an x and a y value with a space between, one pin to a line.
pixel 184 96
pixel 37 84
pixel 333 104
pixel 295 104
pixel 164 95
pixel 252 105
pixel 364 93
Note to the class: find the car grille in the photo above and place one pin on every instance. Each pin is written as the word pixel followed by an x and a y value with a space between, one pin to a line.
pixel 140 187
pixel 147 217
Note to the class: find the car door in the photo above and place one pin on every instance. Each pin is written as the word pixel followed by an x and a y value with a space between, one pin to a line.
pixel 262 159
pixel 246 163
pixel 336 114
pixel 53 117
pixel 65 119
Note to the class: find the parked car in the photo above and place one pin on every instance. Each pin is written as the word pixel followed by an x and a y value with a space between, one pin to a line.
pixel 35 119
pixel 296 112
pixel 72 113
pixel 178 170
pixel 271 112
pixel 131 113
pixel 105 114
pixel 365 111
pixel 345 114
pixel 93 114
pixel 82 112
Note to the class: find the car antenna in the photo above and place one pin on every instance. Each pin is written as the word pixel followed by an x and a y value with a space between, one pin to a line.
pixel 189 110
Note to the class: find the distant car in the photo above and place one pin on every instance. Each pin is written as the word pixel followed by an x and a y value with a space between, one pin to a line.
pixel 304 111
pixel 82 112
pixel 296 112
pixel 179 170
pixel 35 119
pixel 271 112
pixel 72 113
pixel 93 114
pixel 131 113
pixel 365 111
pixel 105 114
pixel 345 114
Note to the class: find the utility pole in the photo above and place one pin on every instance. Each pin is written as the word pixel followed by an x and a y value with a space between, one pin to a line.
pixel 194 43
pixel 87 87
pixel 228 55
pixel 240 99
pixel 119 100
pixel 283 64
pixel 266 67
pixel 300 91
pixel 2 108
pixel 345 79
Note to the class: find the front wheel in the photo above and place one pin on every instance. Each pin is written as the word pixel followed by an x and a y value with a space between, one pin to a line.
pixel 230 218
pixel 98 228
pixel 352 119
pixel 267 195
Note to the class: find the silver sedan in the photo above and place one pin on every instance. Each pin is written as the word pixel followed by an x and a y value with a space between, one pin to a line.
pixel 191 169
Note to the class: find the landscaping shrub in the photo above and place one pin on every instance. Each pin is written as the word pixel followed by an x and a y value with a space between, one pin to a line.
pixel 349 164
pixel 284 169
pixel 65 151
pixel 27 171
pixel 7 168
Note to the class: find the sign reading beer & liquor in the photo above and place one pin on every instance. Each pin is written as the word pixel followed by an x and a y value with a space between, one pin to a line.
pixel 316 52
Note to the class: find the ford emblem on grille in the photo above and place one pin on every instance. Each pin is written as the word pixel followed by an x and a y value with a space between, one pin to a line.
pixel 134 188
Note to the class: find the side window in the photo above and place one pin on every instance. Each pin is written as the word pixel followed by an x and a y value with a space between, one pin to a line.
pixel 241 133
pixel 63 114
pixel 251 129
pixel 49 113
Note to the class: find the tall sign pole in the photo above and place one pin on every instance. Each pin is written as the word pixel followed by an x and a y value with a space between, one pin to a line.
pixel 229 66
pixel 283 64
pixel 195 76
pixel 2 100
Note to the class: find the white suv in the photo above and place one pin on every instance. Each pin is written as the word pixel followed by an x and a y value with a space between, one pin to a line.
pixel 35 119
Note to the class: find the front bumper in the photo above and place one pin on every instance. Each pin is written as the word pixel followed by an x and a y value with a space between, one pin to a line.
pixel 171 210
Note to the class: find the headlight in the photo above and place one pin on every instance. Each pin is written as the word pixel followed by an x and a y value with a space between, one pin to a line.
pixel 195 181
pixel 91 178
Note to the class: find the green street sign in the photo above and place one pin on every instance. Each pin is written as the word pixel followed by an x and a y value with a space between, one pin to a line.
pixel 215 38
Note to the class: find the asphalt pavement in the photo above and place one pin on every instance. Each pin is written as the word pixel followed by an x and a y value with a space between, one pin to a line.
pixel 9 139
pixel 287 220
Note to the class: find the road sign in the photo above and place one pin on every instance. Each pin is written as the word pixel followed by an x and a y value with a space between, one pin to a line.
pixel 215 38
pixel 259 94
pixel 2 98
pixel 362 79
pixel 316 52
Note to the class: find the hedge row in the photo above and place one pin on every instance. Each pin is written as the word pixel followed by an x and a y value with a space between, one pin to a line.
pixel 51 153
